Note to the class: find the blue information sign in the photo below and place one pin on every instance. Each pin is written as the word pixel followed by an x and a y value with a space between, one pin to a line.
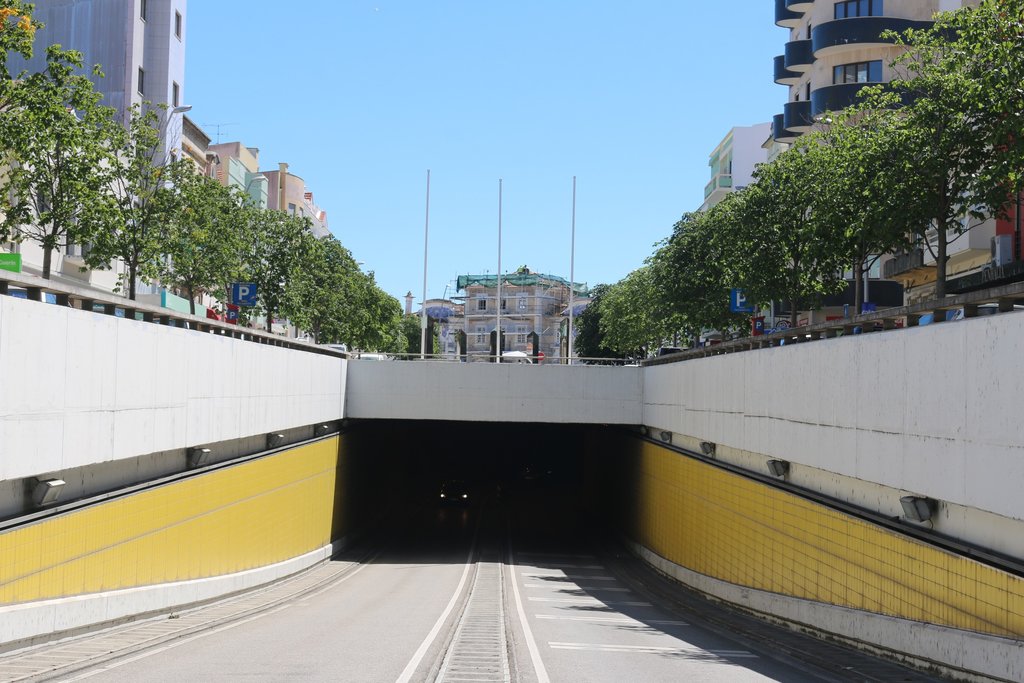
pixel 243 293
pixel 738 302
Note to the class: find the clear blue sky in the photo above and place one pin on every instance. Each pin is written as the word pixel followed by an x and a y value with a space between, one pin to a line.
pixel 361 97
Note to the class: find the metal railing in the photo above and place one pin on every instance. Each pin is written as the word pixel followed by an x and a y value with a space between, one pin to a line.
pixel 36 289
pixel 999 299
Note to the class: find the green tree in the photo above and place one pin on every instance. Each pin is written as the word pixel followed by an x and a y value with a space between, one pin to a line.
pixel 17 34
pixel 589 342
pixel 140 192
pixel 276 247
pixel 203 235
pixel 56 135
pixel 322 298
pixel 411 333
pixel 787 251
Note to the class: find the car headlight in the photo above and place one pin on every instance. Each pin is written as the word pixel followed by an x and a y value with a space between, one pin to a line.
pixel 442 495
pixel 465 495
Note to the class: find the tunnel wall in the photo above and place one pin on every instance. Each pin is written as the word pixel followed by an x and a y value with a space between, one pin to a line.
pixel 80 388
pixel 206 535
pixel 778 553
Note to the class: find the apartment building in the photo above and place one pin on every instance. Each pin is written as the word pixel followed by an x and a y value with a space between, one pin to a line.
pixel 532 308
pixel 237 165
pixel 733 161
pixel 835 49
pixel 288 192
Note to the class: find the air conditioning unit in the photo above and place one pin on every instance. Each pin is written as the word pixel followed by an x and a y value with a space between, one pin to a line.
pixel 1002 250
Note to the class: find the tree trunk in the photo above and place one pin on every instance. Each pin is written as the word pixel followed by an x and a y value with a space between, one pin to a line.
pixel 270 321
pixel 940 261
pixel 191 300
pixel 132 269
pixel 858 285
pixel 793 313
pixel 47 260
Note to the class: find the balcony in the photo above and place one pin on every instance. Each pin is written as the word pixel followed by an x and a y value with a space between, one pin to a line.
pixel 779 132
pixel 799 55
pixel 720 181
pixel 843 35
pixel 796 116
pixel 784 76
pixel 801 6
pixel 904 264
pixel 835 97
pixel 786 17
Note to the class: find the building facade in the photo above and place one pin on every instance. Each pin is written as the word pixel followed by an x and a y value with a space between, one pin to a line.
pixel 835 49
pixel 733 161
pixel 532 307
pixel 238 166
pixel 288 192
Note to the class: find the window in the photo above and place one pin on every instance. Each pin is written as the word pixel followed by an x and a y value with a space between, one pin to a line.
pixel 142 9
pixel 291 209
pixel 481 334
pixel 177 24
pixel 807 94
pixel 503 304
pixel 858 8
pixel 522 302
pixel 175 94
pixel 142 81
pixel 521 334
pixel 481 304
pixel 859 72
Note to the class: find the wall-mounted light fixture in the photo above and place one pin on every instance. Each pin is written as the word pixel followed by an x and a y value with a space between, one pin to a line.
pixel 274 440
pixel 198 457
pixel 322 429
pixel 644 431
pixel 778 468
pixel 666 436
pixel 708 448
pixel 46 491
pixel 918 508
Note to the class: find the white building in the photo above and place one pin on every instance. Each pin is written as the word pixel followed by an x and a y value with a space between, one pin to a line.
pixel 733 161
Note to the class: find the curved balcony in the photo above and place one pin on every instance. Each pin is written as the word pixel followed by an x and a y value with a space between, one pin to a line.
pixel 799 55
pixel 796 117
pixel 784 76
pixel 835 97
pixel 786 17
pixel 779 132
pixel 800 5
pixel 842 35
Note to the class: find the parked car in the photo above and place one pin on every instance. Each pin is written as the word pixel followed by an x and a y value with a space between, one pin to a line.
pixel 516 357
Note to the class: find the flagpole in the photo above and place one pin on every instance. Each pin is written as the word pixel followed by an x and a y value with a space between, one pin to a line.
pixel 572 269
pixel 497 333
pixel 423 311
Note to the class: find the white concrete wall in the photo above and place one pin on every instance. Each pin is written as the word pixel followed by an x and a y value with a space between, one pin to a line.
pixel 79 388
pixel 932 410
pixel 490 392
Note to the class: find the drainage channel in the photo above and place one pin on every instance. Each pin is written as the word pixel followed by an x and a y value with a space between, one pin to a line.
pixel 62 658
pixel 478 650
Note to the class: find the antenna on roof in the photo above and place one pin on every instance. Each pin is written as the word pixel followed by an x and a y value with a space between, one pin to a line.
pixel 218 126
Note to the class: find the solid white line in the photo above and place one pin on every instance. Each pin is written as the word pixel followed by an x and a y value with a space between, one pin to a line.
pixel 614 620
pixel 646 649
pixel 421 652
pixel 575 587
pixel 176 643
pixel 590 602
pixel 531 643
pixel 563 575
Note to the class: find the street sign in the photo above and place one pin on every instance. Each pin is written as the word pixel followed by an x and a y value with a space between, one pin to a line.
pixel 757 326
pixel 243 293
pixel 738 301
pixel 11 262
pixel 232 314
pixel 540 357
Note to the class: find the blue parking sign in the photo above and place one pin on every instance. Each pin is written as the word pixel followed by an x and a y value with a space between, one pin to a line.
pixel 738 301
pixel 243 293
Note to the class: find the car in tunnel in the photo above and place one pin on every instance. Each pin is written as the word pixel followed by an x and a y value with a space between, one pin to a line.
pixel 454 492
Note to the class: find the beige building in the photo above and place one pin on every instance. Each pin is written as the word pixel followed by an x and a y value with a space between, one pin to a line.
pixel 288 192
pixel 532 308
pixel 238 166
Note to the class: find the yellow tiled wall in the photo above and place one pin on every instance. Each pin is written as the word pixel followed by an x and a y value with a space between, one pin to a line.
pixel 735 529
pixel 229 520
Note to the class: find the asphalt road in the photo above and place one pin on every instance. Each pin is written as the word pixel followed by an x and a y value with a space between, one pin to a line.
pixel 562 607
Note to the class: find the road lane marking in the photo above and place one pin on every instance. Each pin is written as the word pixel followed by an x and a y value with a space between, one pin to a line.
pixel 531 642
pixel 575 587
pixel 417 657
pixel 615 620
pixel 590 602
pixel 563 575
pixel 566 565
pixel 649 649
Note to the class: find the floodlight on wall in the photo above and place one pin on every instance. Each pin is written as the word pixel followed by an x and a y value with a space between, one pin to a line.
pixel 917 508
pixel 46 491
pixel 666 436
pixel 321 429
pixel 778 468
pixel 197 457
pixel 274 440
pixel 708 448
pixel 644 431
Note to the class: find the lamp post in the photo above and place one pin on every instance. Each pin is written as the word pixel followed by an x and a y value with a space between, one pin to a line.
pixel 170 139
pixel 423 308
pixel 497 329
pixel 572 269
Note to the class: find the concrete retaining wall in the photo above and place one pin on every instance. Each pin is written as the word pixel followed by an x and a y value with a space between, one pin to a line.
pixel 80 388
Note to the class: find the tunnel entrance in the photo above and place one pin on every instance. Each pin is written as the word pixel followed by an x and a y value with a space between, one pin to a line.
pixel 545 480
